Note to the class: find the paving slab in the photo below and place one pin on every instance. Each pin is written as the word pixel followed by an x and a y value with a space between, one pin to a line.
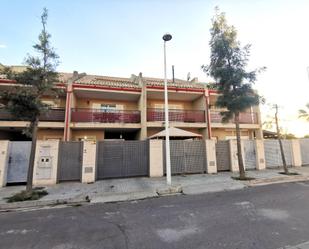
pixel 143 187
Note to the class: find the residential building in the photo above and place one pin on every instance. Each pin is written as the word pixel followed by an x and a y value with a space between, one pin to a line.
pixel 94 107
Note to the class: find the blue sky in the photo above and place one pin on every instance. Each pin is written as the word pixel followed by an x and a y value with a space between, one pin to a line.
pixel 122 37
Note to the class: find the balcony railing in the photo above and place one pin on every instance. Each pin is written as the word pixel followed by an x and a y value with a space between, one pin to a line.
pixel 52 115
pixel 244 117
pixel 175 115
pixel 104 116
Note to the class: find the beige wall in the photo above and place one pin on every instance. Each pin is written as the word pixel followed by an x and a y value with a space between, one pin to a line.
pixel 200 104
pixel 152 131
pixel 88 103
pixel 56 102
pixel 194 130
pixel 151 103
pixel 220 134
pixel 45 134
pixel 98 134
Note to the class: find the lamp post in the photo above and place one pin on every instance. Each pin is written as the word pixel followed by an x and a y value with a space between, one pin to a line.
pixel 167 37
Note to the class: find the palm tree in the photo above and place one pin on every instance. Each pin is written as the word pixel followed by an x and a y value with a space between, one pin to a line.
pixel 304 113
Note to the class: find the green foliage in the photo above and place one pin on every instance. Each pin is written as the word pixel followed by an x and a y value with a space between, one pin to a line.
pixel 228 67
pixel 306 136
pixel 304 114
pixel 24 100
pixel 27 195
pixel 212 86
pixel 289 136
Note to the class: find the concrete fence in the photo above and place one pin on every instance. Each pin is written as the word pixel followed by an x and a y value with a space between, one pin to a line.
pixel 215 156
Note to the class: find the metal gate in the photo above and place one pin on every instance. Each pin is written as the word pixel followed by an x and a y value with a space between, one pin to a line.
pixel 223 155
pixel 273 155
pixel 70 161
pixel 304 148
pixel 186 156
pixel 18 163
pixel 122 159
pixel 250 154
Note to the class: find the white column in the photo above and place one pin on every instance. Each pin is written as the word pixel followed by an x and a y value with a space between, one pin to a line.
pixel 46 162
pixel 211 159
pixel 4 157
pixel 233 155
pixel 155 158
pixel 260 154
pixel 89 162
pixel 297 160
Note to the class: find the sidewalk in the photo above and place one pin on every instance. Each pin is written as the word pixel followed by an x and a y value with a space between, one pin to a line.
pixel 140 188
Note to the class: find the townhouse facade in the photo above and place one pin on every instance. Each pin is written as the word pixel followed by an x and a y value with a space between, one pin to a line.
pixel 96 108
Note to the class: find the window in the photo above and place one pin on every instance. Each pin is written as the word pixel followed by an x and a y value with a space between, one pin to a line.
pixel 107 107
pixel 170 106
pixel 175 106
pixel 52 103
pixel 87 138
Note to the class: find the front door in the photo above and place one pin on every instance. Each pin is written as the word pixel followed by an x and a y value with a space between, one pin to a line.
pixel 70 161
pixel 19 155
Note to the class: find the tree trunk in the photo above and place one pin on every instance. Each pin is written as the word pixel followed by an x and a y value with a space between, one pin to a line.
pixel 34 126
pixel 242 173
pixel 285 167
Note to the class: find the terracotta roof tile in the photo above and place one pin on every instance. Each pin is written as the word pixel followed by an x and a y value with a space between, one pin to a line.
pixel 176 83
pixel 107 81
pixel 125 82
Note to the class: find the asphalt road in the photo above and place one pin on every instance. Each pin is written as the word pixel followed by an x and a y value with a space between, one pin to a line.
pixel 263 217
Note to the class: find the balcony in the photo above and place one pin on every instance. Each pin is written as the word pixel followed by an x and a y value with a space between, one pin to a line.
pixel 175 115
pixel 52 115
pixel 244 117
pixel 104 116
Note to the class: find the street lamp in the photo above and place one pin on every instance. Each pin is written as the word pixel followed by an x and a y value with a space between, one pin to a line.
pixel 167 37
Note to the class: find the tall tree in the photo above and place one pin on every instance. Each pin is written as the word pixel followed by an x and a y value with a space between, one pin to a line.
pixel 304 113
pixel 24 101
pixel 228 62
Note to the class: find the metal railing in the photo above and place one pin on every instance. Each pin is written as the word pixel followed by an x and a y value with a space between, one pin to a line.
pixel 244 117
pixel 105 116
pixel 176 115
pixel 52 115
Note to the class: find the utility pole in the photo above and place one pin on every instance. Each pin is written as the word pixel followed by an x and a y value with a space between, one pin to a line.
pixel 286 170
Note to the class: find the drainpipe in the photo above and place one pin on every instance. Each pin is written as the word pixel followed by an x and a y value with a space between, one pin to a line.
pixel 67 120
pixel 68 105
pixel 206 93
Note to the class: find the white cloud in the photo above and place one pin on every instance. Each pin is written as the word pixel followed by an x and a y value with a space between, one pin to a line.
pixel 3 46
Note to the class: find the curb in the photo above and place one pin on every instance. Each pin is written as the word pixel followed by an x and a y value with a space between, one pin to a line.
pixel 171 190
pixel 198 189
pixel 8 207
pixel 276 180
pixel 120 197
pixel 131 196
